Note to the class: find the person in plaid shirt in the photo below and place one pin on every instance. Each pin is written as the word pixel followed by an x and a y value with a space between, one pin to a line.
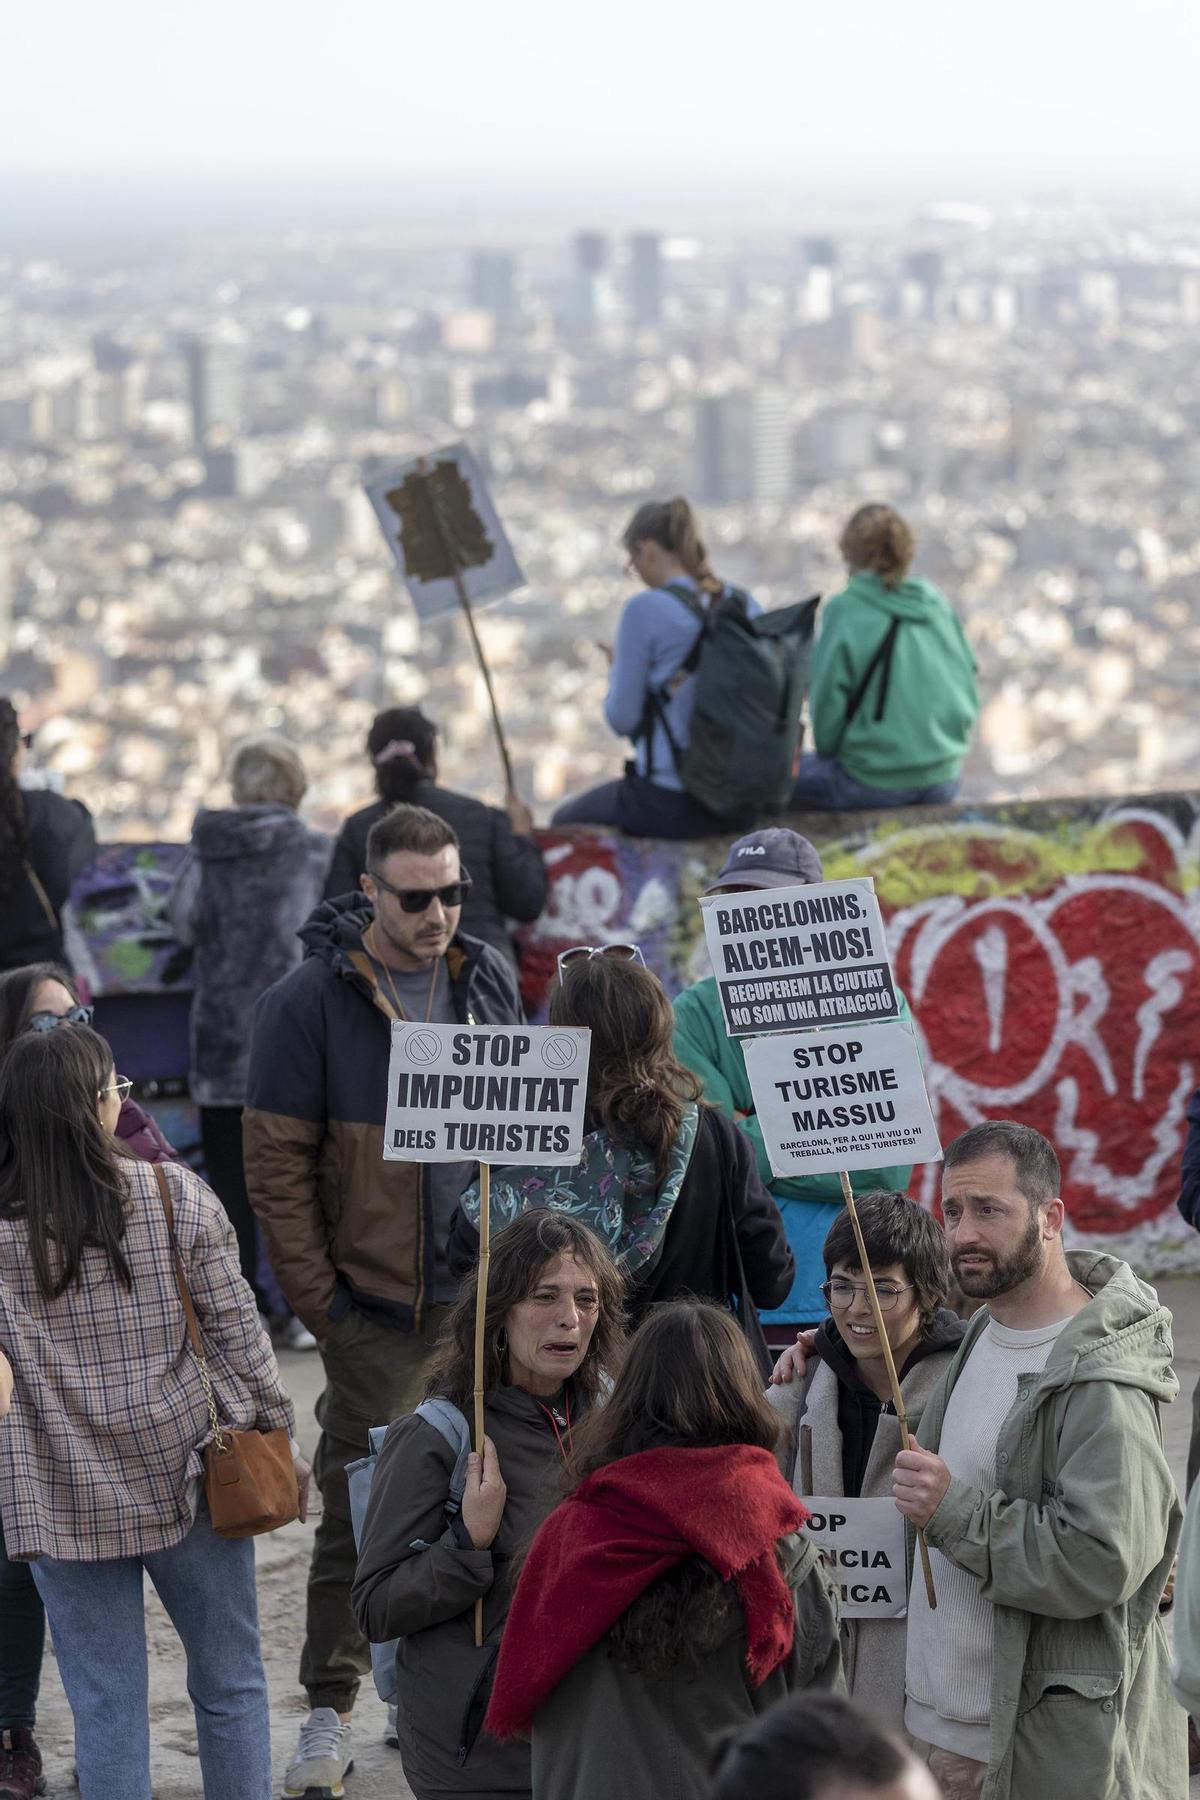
pixel 100 1454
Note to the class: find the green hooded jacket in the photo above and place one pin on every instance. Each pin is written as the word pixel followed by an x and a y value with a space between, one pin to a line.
pixel 931 701
pixel 1073 1551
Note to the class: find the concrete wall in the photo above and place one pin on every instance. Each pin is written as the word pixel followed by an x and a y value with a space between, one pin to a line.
pixel 1051 955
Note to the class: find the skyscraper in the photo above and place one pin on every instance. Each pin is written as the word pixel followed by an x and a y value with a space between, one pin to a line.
pixel 494 282
pixel 742 448
pixel 214 383
pixel 816 258
pixel 645 278
pixel 591 253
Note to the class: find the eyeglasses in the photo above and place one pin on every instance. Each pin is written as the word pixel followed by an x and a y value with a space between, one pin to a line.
pixel 419 900
pixel 48 1021
pixel 581 953
pixel 120 1085
pixel 840 1292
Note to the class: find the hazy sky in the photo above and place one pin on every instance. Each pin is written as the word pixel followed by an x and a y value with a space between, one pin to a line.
pixel 621 96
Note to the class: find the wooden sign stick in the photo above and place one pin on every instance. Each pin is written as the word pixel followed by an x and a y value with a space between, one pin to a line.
pixel 481 1290
pixel 889 1361
pixel 447 544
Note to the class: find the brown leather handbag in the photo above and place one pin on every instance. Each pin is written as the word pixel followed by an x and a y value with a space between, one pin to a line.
pixel 249 1476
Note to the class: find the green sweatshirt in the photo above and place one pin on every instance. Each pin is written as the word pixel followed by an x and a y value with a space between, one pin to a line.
pixel 931 702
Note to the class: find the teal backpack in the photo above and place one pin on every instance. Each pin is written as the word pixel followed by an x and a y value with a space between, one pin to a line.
pixel 445 1417
pixel 751 678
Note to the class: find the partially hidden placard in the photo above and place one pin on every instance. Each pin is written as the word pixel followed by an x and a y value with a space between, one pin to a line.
pixel 805 955
pixel 863 1543
pixel 492 1093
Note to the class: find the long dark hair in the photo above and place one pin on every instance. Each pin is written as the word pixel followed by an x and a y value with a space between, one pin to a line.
pixel 637 1087
pixel 689 1381
pixel 17 988
pixel 59 1169
pixel 520 1252
pixel 14 833
pixel 400 772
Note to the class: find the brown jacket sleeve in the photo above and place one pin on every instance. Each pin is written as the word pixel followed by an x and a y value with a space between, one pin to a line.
pixel 281 1179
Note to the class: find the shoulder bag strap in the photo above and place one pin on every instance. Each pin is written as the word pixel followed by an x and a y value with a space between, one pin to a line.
pixel 189 1311
pixel 35 883
pixel 882 658
pixel 657 700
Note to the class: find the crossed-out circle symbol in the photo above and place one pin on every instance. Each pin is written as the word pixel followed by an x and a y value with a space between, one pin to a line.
pixel 559 1052
pixel 421 1047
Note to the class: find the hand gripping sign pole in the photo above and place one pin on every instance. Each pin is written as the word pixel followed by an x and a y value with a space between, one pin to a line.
pixel 890 1361
pixel 481 1292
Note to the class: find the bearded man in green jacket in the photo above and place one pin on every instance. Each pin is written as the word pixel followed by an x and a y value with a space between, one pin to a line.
pixel 1050 1512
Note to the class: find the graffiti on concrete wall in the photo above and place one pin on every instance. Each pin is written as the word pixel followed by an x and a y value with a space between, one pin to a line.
pixel 1051 958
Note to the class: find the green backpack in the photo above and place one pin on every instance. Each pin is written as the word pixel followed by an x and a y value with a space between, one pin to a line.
pixel 751 678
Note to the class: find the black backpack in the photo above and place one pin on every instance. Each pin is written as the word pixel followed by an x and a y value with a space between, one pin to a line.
pixel 751 678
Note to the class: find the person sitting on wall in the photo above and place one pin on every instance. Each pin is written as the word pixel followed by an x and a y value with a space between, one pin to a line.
pixel 507 872
pixel 773 858
pixel 892 694
pixel 655 636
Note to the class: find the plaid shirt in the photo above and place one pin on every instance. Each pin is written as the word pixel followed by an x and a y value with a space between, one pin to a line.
pixel 103 1443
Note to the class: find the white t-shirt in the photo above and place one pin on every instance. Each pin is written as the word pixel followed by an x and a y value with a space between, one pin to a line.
pixel 948 1674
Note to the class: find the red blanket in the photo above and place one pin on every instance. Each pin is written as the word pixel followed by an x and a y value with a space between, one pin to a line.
pixel 622 1529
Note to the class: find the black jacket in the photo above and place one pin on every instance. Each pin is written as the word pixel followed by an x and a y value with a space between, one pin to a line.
pixel 721 1193
pixel 62 842
pixel 344 1227
pixel 507 873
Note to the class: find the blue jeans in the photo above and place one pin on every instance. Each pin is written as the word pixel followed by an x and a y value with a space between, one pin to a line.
pixel 642 808
pixel 822 785
pixel 22 1640
pixel 97 1621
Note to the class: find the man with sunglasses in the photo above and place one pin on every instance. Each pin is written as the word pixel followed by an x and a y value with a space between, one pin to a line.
pixel 772 858
pixel 359 1244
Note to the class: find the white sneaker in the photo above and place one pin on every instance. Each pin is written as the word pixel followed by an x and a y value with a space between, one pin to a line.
pixel 322 1758
pixel 391 1736
pixel 294 1336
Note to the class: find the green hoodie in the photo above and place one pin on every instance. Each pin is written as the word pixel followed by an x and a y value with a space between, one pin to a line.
pixel 931 703
pixel 1072 1548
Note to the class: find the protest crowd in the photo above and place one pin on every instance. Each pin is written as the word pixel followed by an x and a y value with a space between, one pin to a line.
pixel 645 1468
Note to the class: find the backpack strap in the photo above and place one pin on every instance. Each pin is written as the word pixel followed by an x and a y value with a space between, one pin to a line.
pixel 657 700
pixel 451 1423
pixel 882 659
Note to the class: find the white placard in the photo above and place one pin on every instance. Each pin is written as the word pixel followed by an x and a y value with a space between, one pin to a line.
pixel 488 1093
pixel 805 955
pixel 863 1543
pixel 841 1099
pixel 488 567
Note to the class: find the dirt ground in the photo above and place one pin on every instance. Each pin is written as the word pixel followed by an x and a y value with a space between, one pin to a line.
pixel 282 1571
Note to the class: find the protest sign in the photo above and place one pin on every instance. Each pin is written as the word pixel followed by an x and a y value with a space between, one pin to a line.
pixel 849 1099
pixel 862 1541
pixel 492 1093
pixel 444 532
pixel 805 955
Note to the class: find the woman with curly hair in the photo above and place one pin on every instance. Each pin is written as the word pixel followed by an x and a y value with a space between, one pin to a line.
pixel 669 1183
pixel 553 1335
pixel 670 1598
pixel 45 841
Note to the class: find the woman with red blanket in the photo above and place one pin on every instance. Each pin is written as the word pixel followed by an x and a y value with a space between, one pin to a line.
pixel 669 1599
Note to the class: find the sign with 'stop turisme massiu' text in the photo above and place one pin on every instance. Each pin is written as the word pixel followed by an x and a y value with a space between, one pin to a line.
pixel 841 1099
pixel 800 956
pixel 862 1541
pixel 492 1093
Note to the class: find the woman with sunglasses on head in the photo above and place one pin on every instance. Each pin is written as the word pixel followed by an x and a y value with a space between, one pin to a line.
pixel 100 1455
pixel 668 1183
pixel 45 841
pixel 42 997
pixel 844 1432
pixel 673 1596
pixel 553 1336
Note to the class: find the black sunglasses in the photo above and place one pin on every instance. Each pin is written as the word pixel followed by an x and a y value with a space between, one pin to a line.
pixel 47 1021
pixel 419 900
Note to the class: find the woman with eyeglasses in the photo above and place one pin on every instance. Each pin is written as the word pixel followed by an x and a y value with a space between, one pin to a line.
pixel 45 842
pixel 668 1182
pixel 100 1454
pixel 845 1434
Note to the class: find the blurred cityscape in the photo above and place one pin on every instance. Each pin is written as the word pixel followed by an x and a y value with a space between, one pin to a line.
pixel 187 555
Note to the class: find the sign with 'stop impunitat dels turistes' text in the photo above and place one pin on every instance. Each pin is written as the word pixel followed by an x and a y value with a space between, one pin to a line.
pixel 492 1093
